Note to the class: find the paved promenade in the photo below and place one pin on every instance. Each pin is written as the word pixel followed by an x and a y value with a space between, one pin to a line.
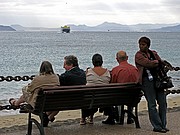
pixel 72 127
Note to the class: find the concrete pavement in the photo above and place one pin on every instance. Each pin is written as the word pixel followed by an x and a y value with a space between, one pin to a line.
pixel 72 127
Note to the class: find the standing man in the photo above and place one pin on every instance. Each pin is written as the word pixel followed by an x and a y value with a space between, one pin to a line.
pixel 123 73
pixel 147 61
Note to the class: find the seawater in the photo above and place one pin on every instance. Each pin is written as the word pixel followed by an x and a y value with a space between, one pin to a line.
pixel 23 52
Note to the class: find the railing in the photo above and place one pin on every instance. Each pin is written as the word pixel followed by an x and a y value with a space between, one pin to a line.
pixel 16 78
pixel 27 78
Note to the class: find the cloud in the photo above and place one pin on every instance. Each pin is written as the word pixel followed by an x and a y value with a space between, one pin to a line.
pixel 173 5
pixel 131 7
pixel 171 2
pixel 53 13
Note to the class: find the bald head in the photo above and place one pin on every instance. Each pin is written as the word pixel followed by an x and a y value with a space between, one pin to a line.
pixel 121 56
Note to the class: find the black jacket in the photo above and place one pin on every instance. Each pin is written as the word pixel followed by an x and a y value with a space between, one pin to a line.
pixel 75 76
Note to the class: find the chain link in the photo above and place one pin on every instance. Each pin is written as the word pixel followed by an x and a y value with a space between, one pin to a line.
pixel 17 78
pixel 32 76
pixel 1 78
pixel 9 78
pixel 25 78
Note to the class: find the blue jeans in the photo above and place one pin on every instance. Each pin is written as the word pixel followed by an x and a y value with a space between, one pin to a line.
pixel 154 97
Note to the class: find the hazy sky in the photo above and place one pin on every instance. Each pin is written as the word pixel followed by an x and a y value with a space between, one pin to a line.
pixel 55 13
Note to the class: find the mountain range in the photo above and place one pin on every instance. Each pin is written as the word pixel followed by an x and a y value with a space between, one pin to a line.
pixel 6 28
pixel 106 26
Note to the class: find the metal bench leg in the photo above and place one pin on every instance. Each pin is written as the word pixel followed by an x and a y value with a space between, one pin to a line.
pixel 122 115
pixel 39 125
pixel 136 118
pixel 29 132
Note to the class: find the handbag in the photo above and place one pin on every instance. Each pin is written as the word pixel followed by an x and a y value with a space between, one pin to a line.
pixel 162 81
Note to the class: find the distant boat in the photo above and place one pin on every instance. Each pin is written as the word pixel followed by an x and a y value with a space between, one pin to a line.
pixel 65 29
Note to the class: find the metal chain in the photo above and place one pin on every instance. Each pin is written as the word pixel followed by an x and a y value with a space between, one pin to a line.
pixel 26 78
pixel 9 107
pixel 175 78
pixel 173 91
pixel 16 78
pixel 22 107
pixel 176 68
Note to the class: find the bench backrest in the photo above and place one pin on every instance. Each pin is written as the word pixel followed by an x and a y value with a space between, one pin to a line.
pixel 82 96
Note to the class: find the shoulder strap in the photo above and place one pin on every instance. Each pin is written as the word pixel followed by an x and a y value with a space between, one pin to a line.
pixel 152 57
pixel 160 68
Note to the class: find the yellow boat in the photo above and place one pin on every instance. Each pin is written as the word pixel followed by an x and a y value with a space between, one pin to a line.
pixel 65 29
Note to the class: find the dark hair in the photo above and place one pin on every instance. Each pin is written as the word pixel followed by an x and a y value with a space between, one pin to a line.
pixel 145 40
pixel 97 60
pixel 71 59
pixel 46 68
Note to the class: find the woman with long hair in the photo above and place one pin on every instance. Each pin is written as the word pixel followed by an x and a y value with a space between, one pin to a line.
pixel 45 78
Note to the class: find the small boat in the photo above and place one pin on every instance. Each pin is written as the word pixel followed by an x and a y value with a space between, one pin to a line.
pixel 65 29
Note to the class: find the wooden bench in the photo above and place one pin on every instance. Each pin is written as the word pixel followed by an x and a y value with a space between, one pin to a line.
pixel 82 97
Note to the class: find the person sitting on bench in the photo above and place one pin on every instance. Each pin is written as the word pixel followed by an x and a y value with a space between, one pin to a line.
pixel 94 76
pixel 72 76
pixel 123 73
pixel 45 78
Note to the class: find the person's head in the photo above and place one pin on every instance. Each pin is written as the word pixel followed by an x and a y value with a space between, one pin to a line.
pixel 70 61
pixel 121 56
pixel 144 44
pixel 46 68
pixel 97 60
